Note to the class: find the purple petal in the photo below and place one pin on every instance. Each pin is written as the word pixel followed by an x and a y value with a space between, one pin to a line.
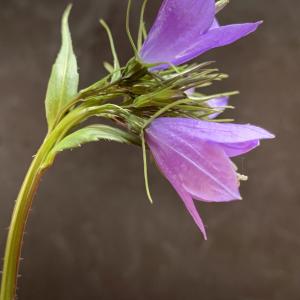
pixel 202 167
pixel 190 91
pixel 171 176
pixel 214 38
pixel 218 103
pixel 215 24
pixel 236 149
pixel 214 103
pixel 212 131
pixel 178 24
pixel 235 139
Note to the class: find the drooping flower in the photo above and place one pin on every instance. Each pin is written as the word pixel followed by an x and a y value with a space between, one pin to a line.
pixel 194 156
pixel 184 29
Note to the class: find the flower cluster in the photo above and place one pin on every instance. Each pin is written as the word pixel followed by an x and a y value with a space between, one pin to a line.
pixel 194 154
pixel 164 109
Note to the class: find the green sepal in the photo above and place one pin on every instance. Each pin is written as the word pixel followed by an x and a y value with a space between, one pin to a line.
pixel 134 71
pixel 161 96
pixel 92 133
pixel 116 73
pixel 142 33
pixel 63 82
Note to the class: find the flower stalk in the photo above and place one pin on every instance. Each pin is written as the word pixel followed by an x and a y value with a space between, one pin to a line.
pixel 20 216
pixel 41 162
pixel 18 222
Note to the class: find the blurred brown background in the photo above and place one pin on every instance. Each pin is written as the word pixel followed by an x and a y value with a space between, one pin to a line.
pixel 92 233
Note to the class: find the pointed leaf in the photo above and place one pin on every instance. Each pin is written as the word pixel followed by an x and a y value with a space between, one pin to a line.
pixel 92 133
pixel 63 83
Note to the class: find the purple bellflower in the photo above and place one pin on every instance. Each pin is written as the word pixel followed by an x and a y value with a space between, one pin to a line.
pixel 184 29
pixel 194 156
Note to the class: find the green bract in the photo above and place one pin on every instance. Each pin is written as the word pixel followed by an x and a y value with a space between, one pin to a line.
pixel 92 133
pixel 63 83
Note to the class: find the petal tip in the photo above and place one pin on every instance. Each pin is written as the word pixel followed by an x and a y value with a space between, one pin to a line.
pixel 203 231
pixel 257 24
pixel 272 136
pixel 268 135
pixel 236 196
pixel 261 132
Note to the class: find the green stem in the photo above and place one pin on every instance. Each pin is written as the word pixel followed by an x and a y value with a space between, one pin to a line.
pixel 27 192
pixel 18 222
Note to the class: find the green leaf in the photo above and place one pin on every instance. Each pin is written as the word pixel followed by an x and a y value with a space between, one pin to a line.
pixel 63 83
pixel 92 133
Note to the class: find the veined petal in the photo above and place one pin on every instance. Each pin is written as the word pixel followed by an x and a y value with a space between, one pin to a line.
pixel 224 133
pixel 202 167
pixel 214 38
pixel 190 206
pixel 165 168
pixel 236 149
pixel 235 139
pixel 178 24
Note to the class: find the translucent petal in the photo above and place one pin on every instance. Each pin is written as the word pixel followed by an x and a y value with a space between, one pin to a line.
pixel 225 133
pixel 202 167
pixel 177 185
pixel 214 38
pixel 190 46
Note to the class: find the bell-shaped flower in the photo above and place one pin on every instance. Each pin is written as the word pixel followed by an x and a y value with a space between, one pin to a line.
pixel 184 29
pixel 195 156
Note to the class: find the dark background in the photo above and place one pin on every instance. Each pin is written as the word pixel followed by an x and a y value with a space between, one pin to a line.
pixel 92 233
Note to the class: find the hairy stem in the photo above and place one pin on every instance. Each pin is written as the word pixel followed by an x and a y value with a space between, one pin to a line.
pixel 18 222
pixel 24 201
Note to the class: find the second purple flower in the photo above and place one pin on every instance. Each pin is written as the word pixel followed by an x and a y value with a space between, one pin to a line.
pixel 195 157
pixel 184 29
